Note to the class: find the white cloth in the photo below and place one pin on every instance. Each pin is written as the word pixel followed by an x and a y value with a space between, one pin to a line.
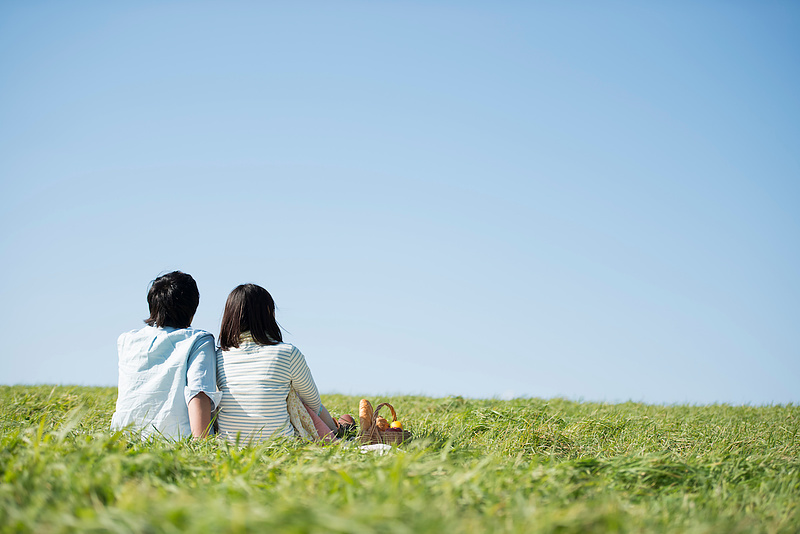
pixel 378 448
pixel 160 371
pixel 301 420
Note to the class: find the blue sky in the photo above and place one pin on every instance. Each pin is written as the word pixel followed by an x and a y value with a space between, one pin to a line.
pixel 486 199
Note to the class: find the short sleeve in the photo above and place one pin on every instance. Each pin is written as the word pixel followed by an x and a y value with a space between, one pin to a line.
pixel 201 372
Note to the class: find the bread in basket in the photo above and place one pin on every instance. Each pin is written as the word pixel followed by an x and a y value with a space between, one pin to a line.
pixel 371 433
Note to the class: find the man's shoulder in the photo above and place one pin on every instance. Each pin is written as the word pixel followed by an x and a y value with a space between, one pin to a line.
pixel 175 335
pixel 136 333
pixel 188 339
pixel 196 333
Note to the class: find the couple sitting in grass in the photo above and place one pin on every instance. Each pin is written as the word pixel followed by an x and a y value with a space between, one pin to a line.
pixel 172 378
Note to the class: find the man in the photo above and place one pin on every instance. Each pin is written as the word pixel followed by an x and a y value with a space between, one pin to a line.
pixel 167 370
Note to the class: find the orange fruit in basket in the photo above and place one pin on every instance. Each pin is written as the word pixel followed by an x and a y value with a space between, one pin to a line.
pixel 396 424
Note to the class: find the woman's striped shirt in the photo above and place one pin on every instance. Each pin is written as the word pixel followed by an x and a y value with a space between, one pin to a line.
pixel 255 380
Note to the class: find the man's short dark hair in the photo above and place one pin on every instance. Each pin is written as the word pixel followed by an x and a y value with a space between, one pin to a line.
pixel 173 299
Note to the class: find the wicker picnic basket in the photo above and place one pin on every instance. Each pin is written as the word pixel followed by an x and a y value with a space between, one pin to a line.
pixel 374 434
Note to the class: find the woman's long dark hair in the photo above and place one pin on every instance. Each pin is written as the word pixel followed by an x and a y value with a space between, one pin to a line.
pixel 249 308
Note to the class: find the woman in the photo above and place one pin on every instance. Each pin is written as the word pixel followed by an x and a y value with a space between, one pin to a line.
pixel 256 371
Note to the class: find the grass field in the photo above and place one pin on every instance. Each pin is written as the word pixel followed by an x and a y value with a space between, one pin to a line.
pixel 525 465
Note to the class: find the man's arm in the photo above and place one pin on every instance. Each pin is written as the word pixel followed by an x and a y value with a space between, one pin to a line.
pixel 200 415
pixel 201 385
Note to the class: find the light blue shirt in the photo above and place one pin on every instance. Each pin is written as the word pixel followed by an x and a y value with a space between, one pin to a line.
pixel 160 371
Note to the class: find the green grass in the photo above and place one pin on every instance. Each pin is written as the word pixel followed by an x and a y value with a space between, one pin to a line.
pixel 525 465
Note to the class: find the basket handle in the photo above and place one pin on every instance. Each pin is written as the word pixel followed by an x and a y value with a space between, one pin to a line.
pixel 381 405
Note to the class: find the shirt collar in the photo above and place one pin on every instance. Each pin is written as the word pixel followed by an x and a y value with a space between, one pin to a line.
pixel 247 337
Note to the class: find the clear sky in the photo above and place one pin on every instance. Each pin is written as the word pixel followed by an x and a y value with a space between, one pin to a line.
pixel 592 200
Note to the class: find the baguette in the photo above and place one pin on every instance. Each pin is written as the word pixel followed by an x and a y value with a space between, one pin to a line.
pixel 364 415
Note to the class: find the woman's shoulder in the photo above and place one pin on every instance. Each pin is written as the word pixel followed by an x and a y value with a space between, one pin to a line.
pixel 281 352
pixel 280 347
